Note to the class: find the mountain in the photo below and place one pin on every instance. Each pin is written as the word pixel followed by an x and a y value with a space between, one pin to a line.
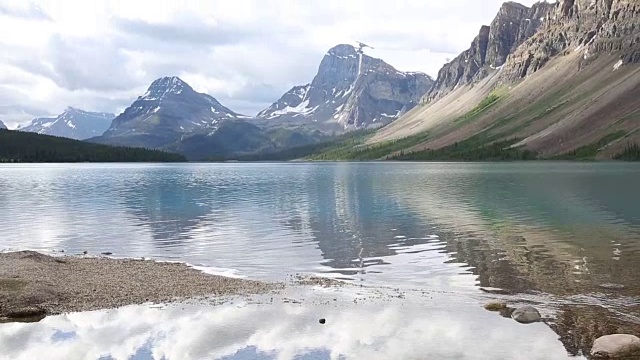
pixel 2 125
pixel 72 123
pixel 350 90
pixel 18 146
pixel 172 116
pixel 555 80
pixel 514 24
pixel 168 110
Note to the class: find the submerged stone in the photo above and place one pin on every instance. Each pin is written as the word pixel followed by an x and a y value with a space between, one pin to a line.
pixel 616 346
pixel 526 315
pixel 495 306
pixel 26 312
pixel 610 286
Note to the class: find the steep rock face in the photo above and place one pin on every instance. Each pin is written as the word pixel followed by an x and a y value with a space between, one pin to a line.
pixel 350 90
pixel 464 68
pixel 513 25
pixel 592 27
pixel 72 123
pixel 169 109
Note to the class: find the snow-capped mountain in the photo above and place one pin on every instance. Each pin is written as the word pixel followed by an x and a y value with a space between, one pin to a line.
pixel 2 125
pixel 72 123
pixel 350 90
pixel 169 110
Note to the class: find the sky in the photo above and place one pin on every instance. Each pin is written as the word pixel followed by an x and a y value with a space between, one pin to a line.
pixel 100 55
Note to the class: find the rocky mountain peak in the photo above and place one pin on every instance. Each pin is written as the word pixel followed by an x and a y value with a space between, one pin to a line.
pixel 512 8
pixel 343 51
pixel 165 86
pixel 512 26
pixel 591 27
pixel 71 111
pixel 350 90
pixel 169 109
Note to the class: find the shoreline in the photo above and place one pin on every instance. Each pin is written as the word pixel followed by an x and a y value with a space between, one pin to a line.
pixel 34 285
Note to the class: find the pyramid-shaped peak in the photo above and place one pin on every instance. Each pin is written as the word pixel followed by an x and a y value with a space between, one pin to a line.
pixel 169 82
pixel 166 85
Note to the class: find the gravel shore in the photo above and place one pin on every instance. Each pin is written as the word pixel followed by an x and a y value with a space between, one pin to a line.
pixel 35 285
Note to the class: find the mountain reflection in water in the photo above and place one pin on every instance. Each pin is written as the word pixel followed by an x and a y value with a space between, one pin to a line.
pixel 546 233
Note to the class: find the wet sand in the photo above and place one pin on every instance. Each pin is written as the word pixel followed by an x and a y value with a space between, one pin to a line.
pixel 35 285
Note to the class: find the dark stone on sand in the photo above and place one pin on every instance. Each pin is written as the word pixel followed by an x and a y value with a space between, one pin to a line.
pixel 322 321
pixel 107 253
pixel 526 315
pixel 26 312
pixel 85 252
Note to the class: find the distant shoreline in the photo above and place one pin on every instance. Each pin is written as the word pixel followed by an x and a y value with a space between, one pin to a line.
pixel 33 285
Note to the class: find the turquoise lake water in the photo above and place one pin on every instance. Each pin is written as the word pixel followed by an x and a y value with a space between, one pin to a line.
pixel 450 237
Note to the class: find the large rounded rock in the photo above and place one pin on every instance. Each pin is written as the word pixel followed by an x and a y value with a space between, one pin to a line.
pixel 616 346
pixel 526 315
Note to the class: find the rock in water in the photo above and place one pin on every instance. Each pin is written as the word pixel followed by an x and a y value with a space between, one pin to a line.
pixel 610 286
pixel 322 321
pixel 495 306
pixel 526 315
pixel 616 346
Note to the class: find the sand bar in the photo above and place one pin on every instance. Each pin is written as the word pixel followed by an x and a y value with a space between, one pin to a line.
pixel 33 284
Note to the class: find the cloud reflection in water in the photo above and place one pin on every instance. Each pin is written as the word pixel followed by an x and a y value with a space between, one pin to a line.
pixel 396 330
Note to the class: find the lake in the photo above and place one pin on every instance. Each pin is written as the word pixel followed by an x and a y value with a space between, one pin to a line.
pixel 448 237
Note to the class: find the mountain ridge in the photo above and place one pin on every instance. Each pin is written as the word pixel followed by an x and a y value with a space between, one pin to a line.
pixel 73 123
pixel 172 116
pixel 565 88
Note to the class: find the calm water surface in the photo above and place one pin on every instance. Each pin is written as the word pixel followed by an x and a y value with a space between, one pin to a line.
pixel 544 233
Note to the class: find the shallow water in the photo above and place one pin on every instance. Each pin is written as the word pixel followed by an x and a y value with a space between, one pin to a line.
pixel 372 330
pixel 547 233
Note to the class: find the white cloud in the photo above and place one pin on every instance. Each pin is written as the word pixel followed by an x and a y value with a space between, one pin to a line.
pixel 99 55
